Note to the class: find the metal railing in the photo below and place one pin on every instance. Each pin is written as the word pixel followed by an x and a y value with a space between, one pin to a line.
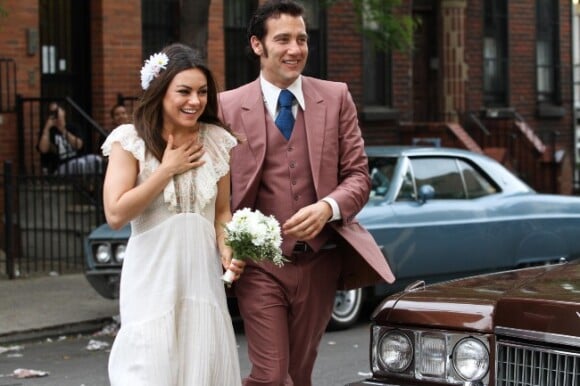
pixel 531 154
pixel 31 115
pixel 47 218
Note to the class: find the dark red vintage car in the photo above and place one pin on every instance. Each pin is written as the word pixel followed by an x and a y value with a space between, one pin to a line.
pixel 518 327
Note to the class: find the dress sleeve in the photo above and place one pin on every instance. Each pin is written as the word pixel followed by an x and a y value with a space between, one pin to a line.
pixel 219 144
pixel 127 136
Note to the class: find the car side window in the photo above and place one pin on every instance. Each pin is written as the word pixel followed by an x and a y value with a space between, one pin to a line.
pixel 407 192
pixel 381 174
pixel 475 183
pixel 442 174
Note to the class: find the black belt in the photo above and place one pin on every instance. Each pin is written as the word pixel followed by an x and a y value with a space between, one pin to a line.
pixel 303 247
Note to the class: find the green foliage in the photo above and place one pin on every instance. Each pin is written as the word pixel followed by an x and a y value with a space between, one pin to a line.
pixel 376 21
pixel 3 12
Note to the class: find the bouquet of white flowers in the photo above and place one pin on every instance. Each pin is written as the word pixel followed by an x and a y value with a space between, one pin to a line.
pixel 253 236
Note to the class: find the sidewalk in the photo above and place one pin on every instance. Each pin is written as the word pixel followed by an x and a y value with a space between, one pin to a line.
pixel 43 306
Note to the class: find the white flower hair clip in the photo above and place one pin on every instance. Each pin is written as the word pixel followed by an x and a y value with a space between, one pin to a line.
pixel 152 68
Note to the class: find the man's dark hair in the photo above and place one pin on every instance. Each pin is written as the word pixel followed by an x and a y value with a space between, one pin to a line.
pixel 271 8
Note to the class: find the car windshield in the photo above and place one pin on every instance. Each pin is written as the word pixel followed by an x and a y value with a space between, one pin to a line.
pixel 381 173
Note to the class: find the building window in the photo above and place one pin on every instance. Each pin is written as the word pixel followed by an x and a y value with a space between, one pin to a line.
pixel 239 68
pixel 315 25
pixel 495 74
pixel 377 68
pixel 576 60
pixel 377 75
pixel 160 24
pixel 547 51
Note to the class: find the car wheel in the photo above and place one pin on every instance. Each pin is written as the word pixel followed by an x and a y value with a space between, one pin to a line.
pixel 348 306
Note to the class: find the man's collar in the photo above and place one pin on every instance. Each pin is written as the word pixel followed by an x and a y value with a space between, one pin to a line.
pixel 295 88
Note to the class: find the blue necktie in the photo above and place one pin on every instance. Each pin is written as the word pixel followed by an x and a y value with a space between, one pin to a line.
pixel 285 119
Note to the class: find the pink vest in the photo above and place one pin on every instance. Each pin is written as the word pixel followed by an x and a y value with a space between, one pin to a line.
pixel 286 184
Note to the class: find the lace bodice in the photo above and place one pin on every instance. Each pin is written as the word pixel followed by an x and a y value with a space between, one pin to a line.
pixel 191 192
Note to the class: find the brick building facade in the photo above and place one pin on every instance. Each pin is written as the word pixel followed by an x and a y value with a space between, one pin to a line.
pixel 475 62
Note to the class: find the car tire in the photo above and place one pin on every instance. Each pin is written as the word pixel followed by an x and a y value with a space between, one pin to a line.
pixel 348 306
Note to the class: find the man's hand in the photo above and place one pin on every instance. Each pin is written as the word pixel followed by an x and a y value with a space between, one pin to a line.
pixel 308 221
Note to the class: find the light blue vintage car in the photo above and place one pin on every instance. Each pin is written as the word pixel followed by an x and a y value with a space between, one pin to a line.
pixel 437 213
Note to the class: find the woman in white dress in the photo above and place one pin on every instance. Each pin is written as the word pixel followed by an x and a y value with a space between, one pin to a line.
pixel 168 174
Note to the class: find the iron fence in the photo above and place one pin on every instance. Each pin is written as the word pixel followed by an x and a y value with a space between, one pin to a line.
pixel 47 218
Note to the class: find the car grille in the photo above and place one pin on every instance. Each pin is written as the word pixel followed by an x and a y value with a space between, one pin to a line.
pixel 523 365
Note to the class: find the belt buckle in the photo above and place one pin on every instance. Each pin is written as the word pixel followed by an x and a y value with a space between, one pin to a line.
pixel 301 247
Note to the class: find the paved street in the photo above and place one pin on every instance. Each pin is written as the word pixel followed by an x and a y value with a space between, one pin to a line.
pixel 70 361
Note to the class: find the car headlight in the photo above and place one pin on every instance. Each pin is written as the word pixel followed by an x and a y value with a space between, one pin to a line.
pixel 443 356
pixel 120 252
pixel 395 351
pixel 470 359
pixel 433 355
pixel 103 253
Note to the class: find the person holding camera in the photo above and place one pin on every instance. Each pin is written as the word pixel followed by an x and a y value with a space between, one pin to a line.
pixel 61 144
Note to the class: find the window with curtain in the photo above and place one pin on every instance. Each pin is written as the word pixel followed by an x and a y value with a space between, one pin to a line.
pixel 547 51
pixel 495 74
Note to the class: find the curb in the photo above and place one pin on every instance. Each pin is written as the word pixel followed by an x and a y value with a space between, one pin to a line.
pixel 84 327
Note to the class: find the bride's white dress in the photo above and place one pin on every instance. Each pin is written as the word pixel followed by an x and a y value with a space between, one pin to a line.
pixel 175 326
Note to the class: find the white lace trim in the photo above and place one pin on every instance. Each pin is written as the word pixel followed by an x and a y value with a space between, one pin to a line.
pixel 190 191
pixel 222 142
pixel 198 187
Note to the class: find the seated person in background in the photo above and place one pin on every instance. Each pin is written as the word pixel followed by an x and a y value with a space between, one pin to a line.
pixel 119 115
pixel 61 144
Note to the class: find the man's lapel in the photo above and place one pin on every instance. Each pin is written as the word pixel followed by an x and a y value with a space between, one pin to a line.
pixel 252 151
pixel 314 119
pixel 253 122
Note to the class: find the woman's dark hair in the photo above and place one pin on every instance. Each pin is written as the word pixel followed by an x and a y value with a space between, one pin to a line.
pixel 148 114
pixel 271 8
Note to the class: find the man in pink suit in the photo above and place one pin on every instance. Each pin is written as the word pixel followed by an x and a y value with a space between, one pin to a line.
pixel 302 160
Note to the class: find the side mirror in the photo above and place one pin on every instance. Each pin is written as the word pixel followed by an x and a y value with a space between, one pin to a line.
pixel 426 192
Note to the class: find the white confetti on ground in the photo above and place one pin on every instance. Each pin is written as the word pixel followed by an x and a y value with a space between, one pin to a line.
pixel 10 348
pixel 95 345
pixel 29 373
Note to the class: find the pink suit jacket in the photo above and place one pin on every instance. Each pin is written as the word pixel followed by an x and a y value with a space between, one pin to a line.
pixel 338 162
